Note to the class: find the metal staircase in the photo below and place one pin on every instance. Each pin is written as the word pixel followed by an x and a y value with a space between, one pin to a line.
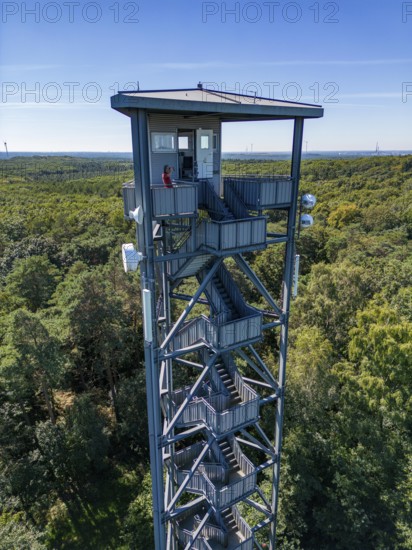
pixel 211 417
pixel 229 384
pixel 212 382
pixel 211 422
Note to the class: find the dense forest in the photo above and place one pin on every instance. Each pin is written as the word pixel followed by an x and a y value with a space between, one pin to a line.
pixel 73 424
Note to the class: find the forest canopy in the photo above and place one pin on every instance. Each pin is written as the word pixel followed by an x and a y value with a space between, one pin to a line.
pixel 73 423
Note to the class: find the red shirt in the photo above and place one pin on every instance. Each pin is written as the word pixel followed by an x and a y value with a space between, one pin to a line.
pixel 167 180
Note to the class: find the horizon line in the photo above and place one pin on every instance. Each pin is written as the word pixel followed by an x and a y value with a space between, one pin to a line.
pixel 223 152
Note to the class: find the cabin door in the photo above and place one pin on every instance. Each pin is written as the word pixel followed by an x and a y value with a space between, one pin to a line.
pixel 204 153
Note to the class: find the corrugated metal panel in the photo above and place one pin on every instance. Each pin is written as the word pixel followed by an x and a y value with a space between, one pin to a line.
pixel 174 202
pixel 284 191
pixel 267 193
pixel 129 199
pixel 259 193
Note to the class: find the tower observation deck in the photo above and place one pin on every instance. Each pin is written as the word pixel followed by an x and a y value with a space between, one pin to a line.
pixel 208 388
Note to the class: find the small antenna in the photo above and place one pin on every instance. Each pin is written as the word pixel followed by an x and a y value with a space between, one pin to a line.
pixel 7 152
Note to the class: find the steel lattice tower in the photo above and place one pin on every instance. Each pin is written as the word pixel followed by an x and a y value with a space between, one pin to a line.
pixel 207 385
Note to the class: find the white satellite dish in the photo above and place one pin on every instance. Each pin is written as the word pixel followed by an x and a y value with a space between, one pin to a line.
pixel 131 257
pixel 137 215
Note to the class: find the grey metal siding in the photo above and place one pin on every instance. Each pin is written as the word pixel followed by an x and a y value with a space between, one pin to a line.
pixel 172 123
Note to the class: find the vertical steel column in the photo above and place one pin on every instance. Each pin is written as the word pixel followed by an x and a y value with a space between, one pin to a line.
pixel 287 287
pixel 146 246
pixel 171 535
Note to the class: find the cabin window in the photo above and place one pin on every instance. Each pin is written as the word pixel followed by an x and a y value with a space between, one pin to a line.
pixel 215 142
pixel 204 142
pixel 163 142
pixel 183 143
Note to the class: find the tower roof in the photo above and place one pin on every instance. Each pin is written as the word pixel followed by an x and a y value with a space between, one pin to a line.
pixel 227 105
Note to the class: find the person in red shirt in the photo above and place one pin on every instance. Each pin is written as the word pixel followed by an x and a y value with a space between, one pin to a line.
pixel 167 172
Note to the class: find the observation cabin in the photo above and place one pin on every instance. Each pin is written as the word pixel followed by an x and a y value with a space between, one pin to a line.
pixel 207 384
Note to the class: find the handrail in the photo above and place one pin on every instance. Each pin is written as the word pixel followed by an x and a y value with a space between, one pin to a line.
pixel 223 420
pixel 212 201
pixel 209 237
pixel 235 201
pixel 262 192
pixel 241 523
pixel 212 332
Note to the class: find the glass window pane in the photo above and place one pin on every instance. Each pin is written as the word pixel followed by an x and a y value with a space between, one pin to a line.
pixel 163 142
pixel 183 142
pixel 204 142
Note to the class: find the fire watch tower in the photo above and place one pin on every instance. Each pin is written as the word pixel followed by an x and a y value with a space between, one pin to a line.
pixel 207 385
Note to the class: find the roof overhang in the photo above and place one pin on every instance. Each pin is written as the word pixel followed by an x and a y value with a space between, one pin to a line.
pixel 226 106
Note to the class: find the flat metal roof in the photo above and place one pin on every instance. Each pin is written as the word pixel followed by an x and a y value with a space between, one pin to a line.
pixel 199 101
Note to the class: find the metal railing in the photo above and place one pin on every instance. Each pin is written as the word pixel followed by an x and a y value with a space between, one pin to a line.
pixel 181 200
pixel 235 203
pixel 245 464
pixel 215 472
pixel 233 492
pixel 214 532
pixel 178 201
pixel 221 497
pixel 189 521
pixel 259 193
pixel 129 199
pixel 221 236
pixel 231 234
pixel 209 200
pixel 220 334
pixel 246 392
pixel 186 537
pixel 217 381
pixel 244 529
pixel 214 411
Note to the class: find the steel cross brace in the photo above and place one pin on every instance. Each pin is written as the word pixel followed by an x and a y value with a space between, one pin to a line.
pixel 192 392
pixel 189 545
pixel 190 305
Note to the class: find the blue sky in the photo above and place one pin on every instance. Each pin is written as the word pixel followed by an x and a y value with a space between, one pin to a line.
pixel 61 61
